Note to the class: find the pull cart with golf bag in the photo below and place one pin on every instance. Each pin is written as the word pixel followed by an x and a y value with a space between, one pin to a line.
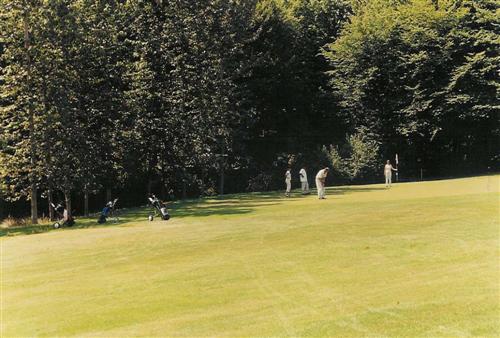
pixel 159 209
pixel 62 216
pixel 108 211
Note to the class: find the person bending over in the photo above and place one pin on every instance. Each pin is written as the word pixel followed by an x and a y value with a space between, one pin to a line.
pixel 320 182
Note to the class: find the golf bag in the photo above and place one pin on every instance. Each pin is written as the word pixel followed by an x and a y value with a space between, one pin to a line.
pixel 108 211
pixel 159 208
pixel 62 216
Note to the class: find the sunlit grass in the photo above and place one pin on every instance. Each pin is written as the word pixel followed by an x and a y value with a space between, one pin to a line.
pixel 420 259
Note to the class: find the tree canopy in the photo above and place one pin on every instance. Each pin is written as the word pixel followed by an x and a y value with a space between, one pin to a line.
pixel 166 96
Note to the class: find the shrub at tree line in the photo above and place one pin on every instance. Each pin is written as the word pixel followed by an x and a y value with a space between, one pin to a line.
pixel 166 96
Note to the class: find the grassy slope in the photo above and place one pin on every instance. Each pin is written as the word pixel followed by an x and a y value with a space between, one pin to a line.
pixel 419 259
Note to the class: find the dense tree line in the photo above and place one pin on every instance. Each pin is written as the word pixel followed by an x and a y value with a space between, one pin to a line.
pixel 423 79
pixel 168 96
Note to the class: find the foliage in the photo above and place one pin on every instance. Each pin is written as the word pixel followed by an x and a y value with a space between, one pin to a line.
pixel 358 158
pixel 163 95
pixel 261 182
pixel 179 75
pixel 422 77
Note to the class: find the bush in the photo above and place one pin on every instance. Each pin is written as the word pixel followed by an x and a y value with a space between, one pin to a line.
pixel 364 158
pixel 336 162
pixel 261 182
pixel 357 159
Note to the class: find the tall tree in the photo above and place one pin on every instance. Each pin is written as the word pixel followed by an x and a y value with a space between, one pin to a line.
pixel 184 72
pixel 21 92
pixel 394 70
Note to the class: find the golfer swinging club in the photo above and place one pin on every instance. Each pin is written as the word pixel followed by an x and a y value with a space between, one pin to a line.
pixel 320 182
pixel 388 169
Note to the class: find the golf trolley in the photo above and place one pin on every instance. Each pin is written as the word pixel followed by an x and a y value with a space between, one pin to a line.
pixel 108 211
pixel 62 216
pixel 159 209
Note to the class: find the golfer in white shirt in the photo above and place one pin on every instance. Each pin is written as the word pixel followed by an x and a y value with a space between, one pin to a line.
pixel 288 182
pixel 388 169
pixel 303 181
pixel 320 182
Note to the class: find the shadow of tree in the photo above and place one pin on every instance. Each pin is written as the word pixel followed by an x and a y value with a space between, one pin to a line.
pixel 342 190
pixel 225 205
pixel 232 208
pixel 235 204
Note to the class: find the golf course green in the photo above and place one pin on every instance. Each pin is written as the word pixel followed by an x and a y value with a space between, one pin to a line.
pixel 419 259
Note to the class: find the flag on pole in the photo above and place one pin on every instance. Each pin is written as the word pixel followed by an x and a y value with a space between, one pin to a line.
pixel 397 172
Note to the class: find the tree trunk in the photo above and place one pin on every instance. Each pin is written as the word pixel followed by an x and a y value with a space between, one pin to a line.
pixel 108 195
pixel 221 168
pixel 34 205
pixel 50 200
pixel 86 203
pixel 221 187
pixel 150 185
pixel 163 190
pixel 184 189
pixel 67 198
pixel 31 120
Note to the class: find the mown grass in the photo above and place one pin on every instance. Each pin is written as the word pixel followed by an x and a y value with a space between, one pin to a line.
pixel 420 259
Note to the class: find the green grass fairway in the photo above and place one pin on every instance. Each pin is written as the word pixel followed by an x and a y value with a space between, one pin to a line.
pixel 420 259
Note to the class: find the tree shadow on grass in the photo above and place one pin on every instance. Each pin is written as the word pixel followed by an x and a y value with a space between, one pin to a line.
pixel 217 208
pixel 236 204
pixel 257 197
pixel 225 205
pixel 343 190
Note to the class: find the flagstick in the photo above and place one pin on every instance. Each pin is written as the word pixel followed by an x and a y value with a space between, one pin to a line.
pixel 397 171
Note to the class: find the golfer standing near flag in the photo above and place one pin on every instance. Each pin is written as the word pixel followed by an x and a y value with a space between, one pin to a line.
pixel 388 169
pixel 320 182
